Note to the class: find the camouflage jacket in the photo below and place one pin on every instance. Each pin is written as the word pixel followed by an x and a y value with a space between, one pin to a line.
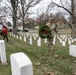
pixel 52 27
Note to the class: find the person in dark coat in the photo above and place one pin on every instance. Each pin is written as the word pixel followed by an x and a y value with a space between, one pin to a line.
pixel 5 32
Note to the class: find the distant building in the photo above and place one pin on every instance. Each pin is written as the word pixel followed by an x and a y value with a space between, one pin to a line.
pixel 10 28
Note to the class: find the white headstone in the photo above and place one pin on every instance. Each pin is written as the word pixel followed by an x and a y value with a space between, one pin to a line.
pixel 66 39
pixel 34 37
pixel 54 39
pixel 21 64
pixel 17 36
pixel 60 40
pixel 39 42
pixel 14 35
pixel 45 40
pixel 63 43
pixel 27 35
pixel 22 34
pixel 69 42
pixel 30 40
pixel 72 40
pixel 3 52
pixel 20 37
pixel 72 50
pixel 10 34
pixel 25 38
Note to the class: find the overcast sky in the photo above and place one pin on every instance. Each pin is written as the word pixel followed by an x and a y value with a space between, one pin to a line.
pixel 42 6
pixel 44 3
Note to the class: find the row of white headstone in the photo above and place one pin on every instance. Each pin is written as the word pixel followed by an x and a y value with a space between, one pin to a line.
pixel 35 36
pixel 66 38
pixel 62 38
pixel 30 36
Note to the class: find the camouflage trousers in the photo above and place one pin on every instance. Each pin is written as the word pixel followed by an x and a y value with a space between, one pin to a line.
pixel 50 44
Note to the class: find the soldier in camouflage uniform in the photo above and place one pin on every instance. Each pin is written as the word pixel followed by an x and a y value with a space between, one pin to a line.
pixel 52 27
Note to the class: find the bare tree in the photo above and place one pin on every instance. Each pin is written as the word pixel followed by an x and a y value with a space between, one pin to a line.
pixel 71 9
pixel 43 14
pixel 23 8
pixel 14 4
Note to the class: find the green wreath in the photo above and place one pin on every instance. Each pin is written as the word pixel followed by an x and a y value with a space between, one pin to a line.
pixel 44 31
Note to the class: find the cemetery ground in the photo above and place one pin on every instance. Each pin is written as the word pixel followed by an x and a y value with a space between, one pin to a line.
pixel 57 62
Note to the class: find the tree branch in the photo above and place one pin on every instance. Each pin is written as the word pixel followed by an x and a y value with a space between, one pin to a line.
pixel 62 7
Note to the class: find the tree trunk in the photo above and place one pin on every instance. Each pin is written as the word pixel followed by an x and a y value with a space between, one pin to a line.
pixel 14 23
pixel 14 4
pixel 73 18
pixel 73 31
pixel 23 24
pixel 23 13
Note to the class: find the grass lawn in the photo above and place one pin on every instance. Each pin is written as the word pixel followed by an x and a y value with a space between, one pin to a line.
pixel 58 62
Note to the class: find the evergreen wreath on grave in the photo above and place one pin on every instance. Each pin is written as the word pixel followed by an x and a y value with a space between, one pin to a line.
pixel 44 31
